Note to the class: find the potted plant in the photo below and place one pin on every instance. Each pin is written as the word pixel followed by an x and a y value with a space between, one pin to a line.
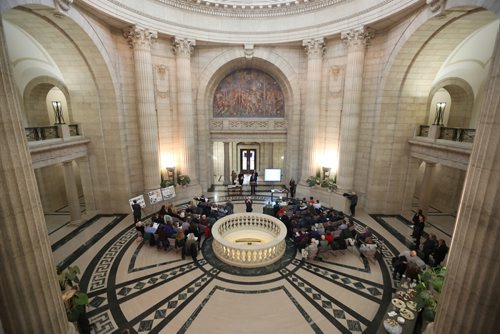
pixel 430 283
pixel 183 180
pixel 314 180
pixel 166 183
pixel 75 301
pixel 329 183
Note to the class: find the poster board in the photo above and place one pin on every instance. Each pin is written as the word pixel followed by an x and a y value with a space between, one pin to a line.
pixel 155 196
pixel 168 193
pixel 140 200
pixel 272 175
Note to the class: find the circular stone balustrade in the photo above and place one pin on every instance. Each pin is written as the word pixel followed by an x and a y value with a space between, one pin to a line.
pixel 249 240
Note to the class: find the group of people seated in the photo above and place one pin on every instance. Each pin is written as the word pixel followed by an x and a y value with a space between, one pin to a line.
pixel 316 230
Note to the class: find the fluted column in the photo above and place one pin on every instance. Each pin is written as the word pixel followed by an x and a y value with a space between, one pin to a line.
pixel 270 156
pixel 227 173
pixel 87 185
pixel 470 299
pixel 355 40
pixel 315 49
pixel 140 39
pixel 426 188
pixel 30 297
pixel 183 48
pixel 71 191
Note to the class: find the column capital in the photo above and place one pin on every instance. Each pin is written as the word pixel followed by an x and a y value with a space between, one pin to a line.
pixel 140 37
pixel 435 5
pixel 314 46
pixel 357 36
pixel 183 46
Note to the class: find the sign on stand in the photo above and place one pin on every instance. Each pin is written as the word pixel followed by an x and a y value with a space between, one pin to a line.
pixel 155 196
pixel 140 200
pixel 168 193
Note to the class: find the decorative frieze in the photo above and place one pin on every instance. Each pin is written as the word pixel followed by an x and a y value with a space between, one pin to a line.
pixel 358 36
pixel 254 125
pixel 435 5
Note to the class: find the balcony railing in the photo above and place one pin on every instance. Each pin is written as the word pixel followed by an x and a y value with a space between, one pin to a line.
pixel 424 131
pixel 41 133
pixel 52 132
pixel 457 134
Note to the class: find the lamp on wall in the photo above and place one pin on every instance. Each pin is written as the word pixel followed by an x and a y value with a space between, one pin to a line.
pixel 326 170
pixel 438 119
pixel 58 116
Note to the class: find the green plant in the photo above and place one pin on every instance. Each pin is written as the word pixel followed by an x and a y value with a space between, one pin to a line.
pixel 430 283
pixel 329 183
pixel 183 180
pixel 74 300
pixel 166 183
pixel 314 180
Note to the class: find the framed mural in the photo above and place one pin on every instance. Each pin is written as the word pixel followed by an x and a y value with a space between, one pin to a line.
pixel 248 93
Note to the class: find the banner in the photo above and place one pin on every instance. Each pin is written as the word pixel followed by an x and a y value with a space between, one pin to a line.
pixel 140 200
pixel 168 192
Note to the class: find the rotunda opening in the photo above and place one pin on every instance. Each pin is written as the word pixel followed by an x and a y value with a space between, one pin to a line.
pixel 249 240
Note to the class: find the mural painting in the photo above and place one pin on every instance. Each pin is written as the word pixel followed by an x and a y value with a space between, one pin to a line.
pixel 248 93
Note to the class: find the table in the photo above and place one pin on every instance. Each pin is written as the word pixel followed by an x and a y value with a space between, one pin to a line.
pixel 234 187
pixel 409 325
pixel 279 191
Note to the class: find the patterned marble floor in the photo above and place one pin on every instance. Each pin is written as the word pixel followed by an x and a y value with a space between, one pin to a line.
pixel 134 286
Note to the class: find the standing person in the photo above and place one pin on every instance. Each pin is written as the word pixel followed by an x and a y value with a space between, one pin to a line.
pixel 233 177
pixel 253 183
pixel 248 203
pixel 353 197
pixel 416 219
pixel 419 229
pixel 136 208
pixel 240 178
pixel 293 187
pixel 439 253
pixel 428 247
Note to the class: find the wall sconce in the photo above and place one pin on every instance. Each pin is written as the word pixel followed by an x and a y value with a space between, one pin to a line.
pixel 58 116
pixel 326 170
pixel 438 119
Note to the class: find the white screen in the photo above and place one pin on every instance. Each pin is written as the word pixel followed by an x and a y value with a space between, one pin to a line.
pixel 272 175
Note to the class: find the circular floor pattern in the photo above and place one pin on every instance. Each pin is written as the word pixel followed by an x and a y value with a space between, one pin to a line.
pixel 134 286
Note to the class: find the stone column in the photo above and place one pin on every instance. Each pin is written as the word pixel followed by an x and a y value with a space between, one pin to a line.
pixel 140 39
pixel 71 192
pixel 315 49
pixel 270 156
pixel 470 299
pixel 183 48
pixel 355 40
pixel 426 188
pixel 87 184
pixel 227 172
pixel 30 297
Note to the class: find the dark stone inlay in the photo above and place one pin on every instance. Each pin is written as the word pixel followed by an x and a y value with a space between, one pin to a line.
pixel 354 325
pixel 160 314
pixel 172 304
pixel 326 304
pixel 97 301
pixel 374 291
pixel 139 286
pixel 123 291
pixel 145 326
pixel 209 255
pixel 339 314
pixel 359 285
pixel 182 296
pixel 152 280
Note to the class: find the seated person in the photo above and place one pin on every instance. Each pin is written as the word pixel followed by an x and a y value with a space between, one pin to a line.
pixel 368 248
pixel 312 249
pixel 363 235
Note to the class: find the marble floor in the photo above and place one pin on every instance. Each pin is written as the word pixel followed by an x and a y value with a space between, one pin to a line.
pixel 137 287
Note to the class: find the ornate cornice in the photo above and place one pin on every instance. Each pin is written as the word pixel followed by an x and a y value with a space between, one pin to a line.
pixel 140 37
pixel 183 46
pixel 436 5
pixel 358 36
pixel 314 46
pixel 63 5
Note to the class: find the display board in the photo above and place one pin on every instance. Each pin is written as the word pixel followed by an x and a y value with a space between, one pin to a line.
pixel 272 175
pixel 168 192
pixel 140 200
pixel 155 196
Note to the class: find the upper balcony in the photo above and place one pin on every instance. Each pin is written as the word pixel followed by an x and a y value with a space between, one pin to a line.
pixel 50 145
pixel 447 146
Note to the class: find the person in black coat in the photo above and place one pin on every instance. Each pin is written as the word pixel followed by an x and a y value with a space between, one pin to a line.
pixel 440 253
pixel 428 247
pixel 353 197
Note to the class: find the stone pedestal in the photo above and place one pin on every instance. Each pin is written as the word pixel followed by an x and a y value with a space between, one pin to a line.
pixel 30 297
pixel 140 40
pixel 470 299
pixel 355 40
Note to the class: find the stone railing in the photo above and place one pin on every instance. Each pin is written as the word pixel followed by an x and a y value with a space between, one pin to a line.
pixel 252 124
pixel 41 133
pixel 249 255
pixel 457 134
pixel 424 131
